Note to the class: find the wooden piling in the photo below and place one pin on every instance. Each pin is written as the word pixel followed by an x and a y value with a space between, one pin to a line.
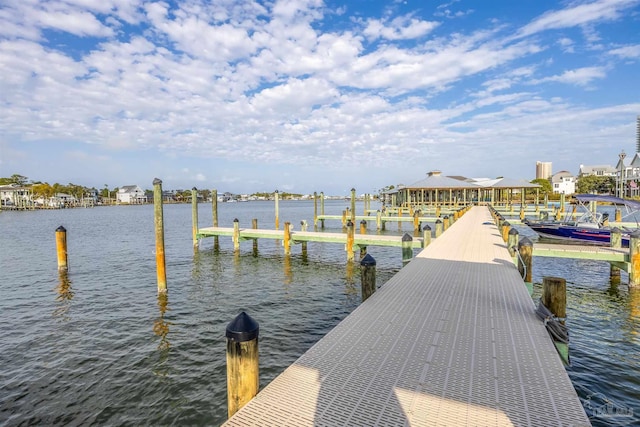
pixel 512 241
pixel 287 238
pixel 426 236
pixel 214 208
pixel 61 249
pixel 367 276
pixel 159 232
pixel 525 261
pixel 616 242
pixel 506 227
pixel 350 240
pixel 303 227
pixel 194 217
pixel 554 295
pixel 322 208
pixel 276 197
pixel 378 220
pixel 618 215
pixel 243 375
pixel 416 221
pixel 236 235
pixel 634 255
pixel 254 225
pixel 363 227
pixel 407 248
pixel 353 205
pixel 445 222
pixel 315 210
pixel 438 227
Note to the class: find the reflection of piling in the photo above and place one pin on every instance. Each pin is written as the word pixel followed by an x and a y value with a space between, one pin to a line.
pixel 554 295
pixel 194 217
pixel 303 227
pixel 634 255
pixel 61 249
pixel 159 231
pixel 368 276
pixel 616 242
pixel 243 378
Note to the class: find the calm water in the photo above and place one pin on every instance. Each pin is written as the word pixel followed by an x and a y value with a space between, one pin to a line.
pixel 99 347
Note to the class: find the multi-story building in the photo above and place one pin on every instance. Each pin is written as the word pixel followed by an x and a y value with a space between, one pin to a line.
pixel 563 182
pixel 543 170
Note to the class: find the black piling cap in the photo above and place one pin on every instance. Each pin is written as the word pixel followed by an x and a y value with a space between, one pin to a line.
pixel 368 261
pixel 513 231
pixel 438 221
pixel 243 328
pixel 61 229
pixel 157 181
pixel 426 228
pixel 407 238
pixel 236 220
pixel 525 242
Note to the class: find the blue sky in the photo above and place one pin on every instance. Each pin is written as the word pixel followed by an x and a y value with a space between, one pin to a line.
pixel 311 95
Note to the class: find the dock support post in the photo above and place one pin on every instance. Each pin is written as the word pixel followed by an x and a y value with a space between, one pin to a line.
pixel 350 238
pixel 521 213
pixel 322 208
pixel 445 222
pixel 303 227
pixel 426 236
pixel 616 242
pixel 315 210
pixel 254 225
pixel 61 249
pixel 363 227
pixel 378 220
pixel 214 208
pixel 512 243
pixel 287 238
pixel 399 216
pixel 438 228
pixel 407 248
pixel 618 215
pixel 554 295
pixel 525 261
pixel 236 235
pixel 367 276
pixel 344 218
pixel 276 195
pixel 506 227
pixel 353 205
pixel 243 379
pixel 158 221
pixel 194 217
pixel 416 220
pixel 634 255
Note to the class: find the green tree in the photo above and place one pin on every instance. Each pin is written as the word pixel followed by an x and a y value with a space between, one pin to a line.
pixel 545 185
pixel 14 179
pixel 596 184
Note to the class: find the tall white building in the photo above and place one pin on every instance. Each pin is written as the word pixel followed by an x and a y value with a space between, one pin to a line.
pixel 543 170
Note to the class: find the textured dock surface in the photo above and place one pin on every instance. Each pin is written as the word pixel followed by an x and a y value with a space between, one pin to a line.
pixel 452 339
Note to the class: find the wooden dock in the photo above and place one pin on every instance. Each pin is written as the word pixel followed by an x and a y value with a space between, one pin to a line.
pixel 452 339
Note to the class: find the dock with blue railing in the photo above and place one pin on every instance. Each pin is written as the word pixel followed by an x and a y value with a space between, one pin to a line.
pixel 451 339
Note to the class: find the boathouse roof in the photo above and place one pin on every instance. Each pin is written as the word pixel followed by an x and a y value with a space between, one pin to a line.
pixel 435 180
pixel 507 183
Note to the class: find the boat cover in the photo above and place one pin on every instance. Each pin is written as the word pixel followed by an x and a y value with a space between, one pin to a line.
pixel 631 204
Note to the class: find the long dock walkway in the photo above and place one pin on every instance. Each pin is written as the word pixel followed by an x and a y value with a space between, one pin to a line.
pixel 451 339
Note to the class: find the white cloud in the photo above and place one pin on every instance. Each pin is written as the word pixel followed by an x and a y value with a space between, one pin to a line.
pixel 399 28
pixel 579 76
pixel 627 52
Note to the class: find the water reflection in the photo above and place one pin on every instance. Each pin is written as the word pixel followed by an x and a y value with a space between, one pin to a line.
pixel 634 310
pixel 288 276
pixel 160 325
pixel 64 295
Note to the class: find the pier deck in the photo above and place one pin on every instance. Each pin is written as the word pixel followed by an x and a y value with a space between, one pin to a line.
pixel 452 339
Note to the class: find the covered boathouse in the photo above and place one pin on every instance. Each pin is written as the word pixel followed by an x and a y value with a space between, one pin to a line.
pixel 439 190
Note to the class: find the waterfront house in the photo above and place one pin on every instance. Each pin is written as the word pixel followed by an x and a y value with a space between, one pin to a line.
pixel 131 194
pixel 14 195
pixel 563 182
